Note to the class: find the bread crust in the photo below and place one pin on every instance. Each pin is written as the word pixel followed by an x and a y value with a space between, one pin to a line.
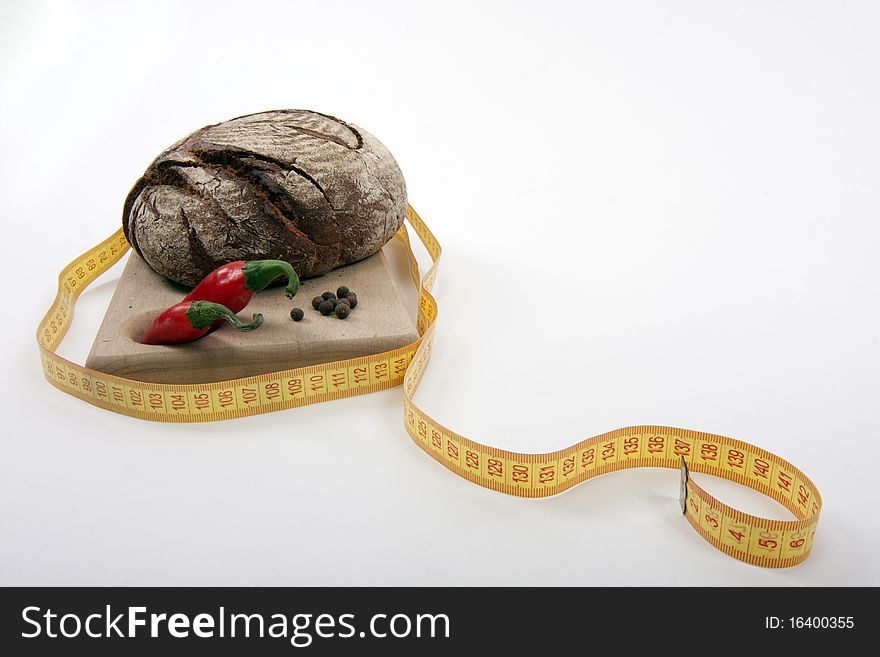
pixel 293 185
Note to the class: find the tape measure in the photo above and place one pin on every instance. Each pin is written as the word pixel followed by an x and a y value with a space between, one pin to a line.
pixel 756 540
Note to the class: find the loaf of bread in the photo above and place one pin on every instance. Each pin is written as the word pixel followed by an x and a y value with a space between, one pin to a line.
pixel 292 185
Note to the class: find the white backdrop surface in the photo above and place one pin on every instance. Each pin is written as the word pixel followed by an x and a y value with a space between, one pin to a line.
pixel 651 212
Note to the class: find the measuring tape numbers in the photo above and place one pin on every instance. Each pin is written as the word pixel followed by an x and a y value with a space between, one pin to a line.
pixel 755 540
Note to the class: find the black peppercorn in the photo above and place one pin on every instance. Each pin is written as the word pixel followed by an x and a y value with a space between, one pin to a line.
pixel 342 292
pixel 352 299
pixel 326 307
pixel 342 311
pixel 297 314
pixel 317 302
pixel 328 295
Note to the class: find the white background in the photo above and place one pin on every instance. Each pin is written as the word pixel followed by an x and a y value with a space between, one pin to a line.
pixel 651 213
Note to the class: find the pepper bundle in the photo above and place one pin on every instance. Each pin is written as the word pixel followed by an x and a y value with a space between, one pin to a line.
pixel 224 292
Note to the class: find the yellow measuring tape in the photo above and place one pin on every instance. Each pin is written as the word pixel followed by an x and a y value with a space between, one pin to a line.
pixel 771 543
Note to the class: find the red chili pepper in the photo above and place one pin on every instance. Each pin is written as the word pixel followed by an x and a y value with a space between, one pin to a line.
pixel 190 320
pixel 234 284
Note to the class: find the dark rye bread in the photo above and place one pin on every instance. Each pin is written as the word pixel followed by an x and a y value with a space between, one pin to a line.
pixel 292 185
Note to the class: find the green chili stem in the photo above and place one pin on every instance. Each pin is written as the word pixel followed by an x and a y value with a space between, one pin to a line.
pixel 259 273
pixel 201 314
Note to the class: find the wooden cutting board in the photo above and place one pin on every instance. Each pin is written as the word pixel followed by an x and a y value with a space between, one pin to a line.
pixel 379 323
